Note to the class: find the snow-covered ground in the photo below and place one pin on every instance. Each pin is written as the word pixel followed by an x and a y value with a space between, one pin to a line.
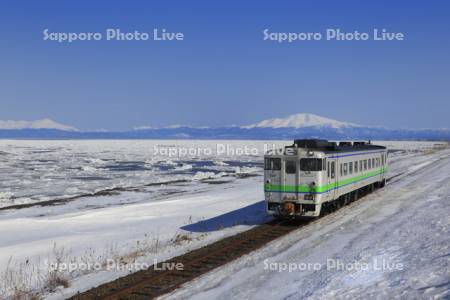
pixel 219 196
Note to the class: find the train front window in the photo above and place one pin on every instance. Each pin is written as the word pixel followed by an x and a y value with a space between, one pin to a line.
pixel 290 167
pixel 272 164
pixel 311 164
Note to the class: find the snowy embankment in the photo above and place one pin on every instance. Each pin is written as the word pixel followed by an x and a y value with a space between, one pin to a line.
pixel 394 243
pixel 138 226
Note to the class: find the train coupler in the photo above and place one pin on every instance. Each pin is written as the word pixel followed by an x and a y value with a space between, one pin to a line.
pixel 288 209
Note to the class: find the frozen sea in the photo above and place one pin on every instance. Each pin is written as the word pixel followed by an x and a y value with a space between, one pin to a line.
pixel 39 170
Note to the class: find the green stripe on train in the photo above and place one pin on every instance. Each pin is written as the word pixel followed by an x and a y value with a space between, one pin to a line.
pixel 321 188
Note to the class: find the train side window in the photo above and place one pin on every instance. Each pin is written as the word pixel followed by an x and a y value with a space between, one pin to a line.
pixel 340 170
pixel 311 164
pixel 373 162
pixel 291 167
pixel 365 164
pixel 324 164
pixel 328 170
pixel 350 167
pixel 360 165
pixel 356 166
pixel 370 166
pixel 332 169
pixel 345 169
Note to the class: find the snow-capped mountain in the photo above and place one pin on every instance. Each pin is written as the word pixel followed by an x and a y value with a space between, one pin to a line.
pixel 38 124
pixel 296 126
pixel 299 121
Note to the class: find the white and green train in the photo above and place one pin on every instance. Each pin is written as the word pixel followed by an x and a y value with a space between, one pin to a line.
pixel 313 177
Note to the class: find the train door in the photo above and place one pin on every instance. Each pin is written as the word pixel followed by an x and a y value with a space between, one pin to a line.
pixel 290 178
pixel 332 178
pixel 272 179
pixel 380 166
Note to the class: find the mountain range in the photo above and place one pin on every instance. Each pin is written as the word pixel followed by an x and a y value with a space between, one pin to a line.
pixel 295 126
pixel 38 124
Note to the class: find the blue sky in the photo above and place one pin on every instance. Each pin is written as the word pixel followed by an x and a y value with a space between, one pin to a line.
pixel 224 72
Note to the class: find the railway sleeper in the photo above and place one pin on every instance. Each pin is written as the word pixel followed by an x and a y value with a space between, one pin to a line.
pixel 195 267
pixel 143 295
pixel 214 260
pixel 179 274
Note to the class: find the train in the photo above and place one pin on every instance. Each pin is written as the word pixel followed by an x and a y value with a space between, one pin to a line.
pixel 313 177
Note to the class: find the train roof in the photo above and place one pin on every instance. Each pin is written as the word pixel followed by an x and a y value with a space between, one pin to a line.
pixel 333 147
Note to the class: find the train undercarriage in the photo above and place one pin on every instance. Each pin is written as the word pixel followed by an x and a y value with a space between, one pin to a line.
pixel 292 210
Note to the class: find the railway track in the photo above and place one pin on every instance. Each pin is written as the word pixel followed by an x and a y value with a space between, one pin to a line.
pixel 154 282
